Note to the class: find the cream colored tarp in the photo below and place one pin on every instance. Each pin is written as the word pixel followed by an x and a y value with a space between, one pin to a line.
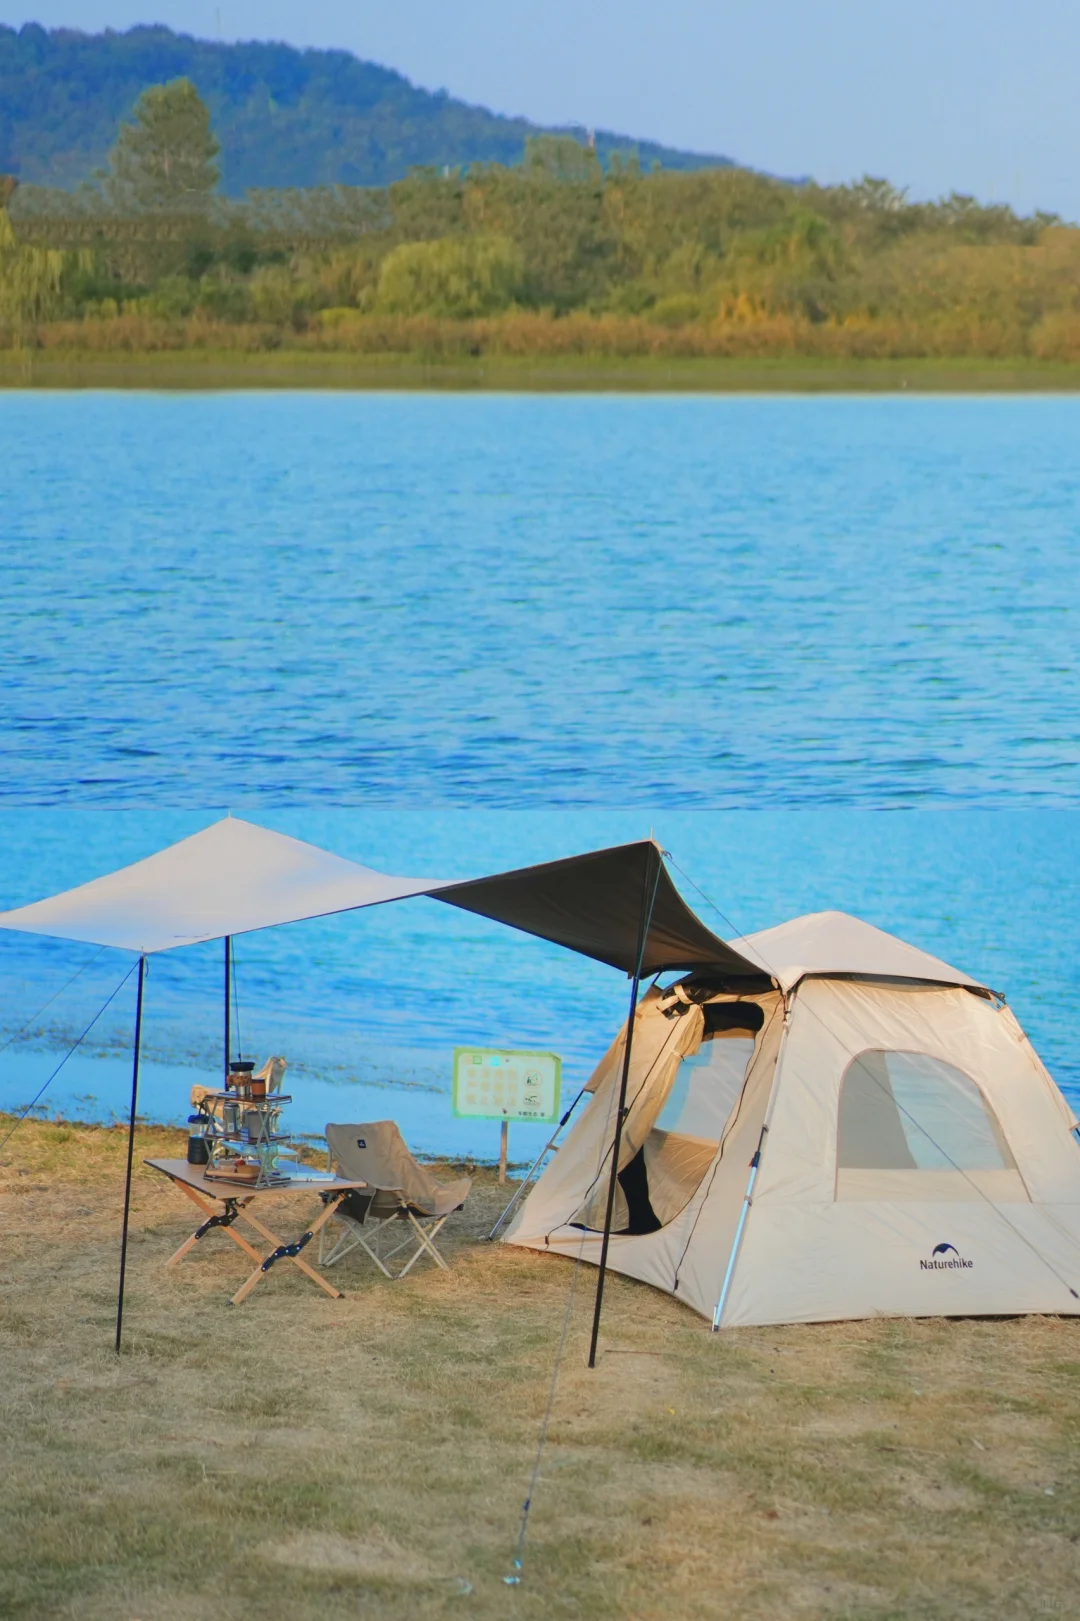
pixel 980 1212
pixel 229 879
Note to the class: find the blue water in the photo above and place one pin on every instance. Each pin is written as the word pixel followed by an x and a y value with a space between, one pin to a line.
pixel 448 634
pixel 299 599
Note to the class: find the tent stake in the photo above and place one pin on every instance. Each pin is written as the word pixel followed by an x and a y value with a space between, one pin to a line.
pixel 648 896
pixel 130 1152
pixel 228 1010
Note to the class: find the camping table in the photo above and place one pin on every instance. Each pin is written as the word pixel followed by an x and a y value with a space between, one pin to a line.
pixel 192 1182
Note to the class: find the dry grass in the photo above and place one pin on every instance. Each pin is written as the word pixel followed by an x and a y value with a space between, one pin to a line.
pixel 300 1457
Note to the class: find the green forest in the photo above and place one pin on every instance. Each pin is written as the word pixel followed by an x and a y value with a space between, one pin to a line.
pixel 284 117
pixel 561 254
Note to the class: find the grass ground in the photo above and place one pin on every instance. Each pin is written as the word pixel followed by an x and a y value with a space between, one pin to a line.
pixel 299 1457
pixel 219 369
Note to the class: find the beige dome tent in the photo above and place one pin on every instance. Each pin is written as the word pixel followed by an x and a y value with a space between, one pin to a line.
pixel 873 1135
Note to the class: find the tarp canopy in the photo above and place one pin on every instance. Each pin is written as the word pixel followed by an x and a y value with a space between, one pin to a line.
pixel 831 944
pixel 592 904
pixel 235 876
pixel 231 878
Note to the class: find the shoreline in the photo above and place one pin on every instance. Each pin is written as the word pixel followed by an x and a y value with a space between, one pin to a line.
pixel 226 370
pixel 92 1090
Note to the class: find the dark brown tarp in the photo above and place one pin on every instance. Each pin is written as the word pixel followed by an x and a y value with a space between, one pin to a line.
pixel 592 904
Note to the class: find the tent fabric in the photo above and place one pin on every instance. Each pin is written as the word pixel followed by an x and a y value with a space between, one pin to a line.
pixel 973 1209
pixel 235 876
pixel 231 878
pixel 834 943
pixel 658 1047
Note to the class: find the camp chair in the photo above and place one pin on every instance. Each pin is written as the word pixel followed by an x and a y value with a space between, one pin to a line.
pixel 398 1190
pixel 272 1073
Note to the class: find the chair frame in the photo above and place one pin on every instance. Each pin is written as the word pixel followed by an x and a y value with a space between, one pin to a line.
pixel 424 1230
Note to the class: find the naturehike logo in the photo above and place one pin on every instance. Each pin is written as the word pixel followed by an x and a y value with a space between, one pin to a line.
pixel 944 1258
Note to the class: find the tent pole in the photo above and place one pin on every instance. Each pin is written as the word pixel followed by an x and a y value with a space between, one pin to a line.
pixel 228 1009
pixel 648 896
pixel 748 1199
pixel 531 1172
pixel 130 1152
pixel 755 1164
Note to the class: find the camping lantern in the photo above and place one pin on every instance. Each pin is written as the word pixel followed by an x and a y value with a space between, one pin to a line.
pixel 198 1150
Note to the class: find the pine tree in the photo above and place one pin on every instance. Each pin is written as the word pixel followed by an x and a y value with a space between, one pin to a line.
pixel 165 159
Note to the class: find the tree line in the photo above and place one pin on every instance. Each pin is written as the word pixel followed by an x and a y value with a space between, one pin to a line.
pixel 560 252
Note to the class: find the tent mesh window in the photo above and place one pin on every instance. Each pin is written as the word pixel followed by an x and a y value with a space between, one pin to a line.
pixel 907 1111
pixel 683 1125
pixel 690 1126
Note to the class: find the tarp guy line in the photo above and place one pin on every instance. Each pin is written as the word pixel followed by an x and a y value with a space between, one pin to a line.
pixel 514 1579
pixel 23 1028
pixel 67 1055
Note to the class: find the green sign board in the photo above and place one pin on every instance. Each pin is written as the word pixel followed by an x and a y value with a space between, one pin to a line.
pixel 495 1083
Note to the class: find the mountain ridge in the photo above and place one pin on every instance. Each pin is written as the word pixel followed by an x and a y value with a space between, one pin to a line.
pixel 285 116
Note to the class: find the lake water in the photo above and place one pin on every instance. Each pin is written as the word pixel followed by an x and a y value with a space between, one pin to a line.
pixel 301 599
pixel 448 635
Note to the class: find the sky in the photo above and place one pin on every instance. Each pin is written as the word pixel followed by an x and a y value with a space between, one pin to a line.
pixel 976 96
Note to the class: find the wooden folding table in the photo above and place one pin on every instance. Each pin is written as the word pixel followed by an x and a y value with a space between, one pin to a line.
pixel 207 1193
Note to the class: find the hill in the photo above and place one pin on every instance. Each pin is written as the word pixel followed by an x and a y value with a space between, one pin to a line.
pixel 284 117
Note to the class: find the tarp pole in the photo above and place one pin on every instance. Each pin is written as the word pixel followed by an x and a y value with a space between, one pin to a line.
pixel 130 1151
pixel 228 1009
pixel 531 1172
pixel 648 896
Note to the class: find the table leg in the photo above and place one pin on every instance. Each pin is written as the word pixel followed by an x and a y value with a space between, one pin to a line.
pixel 214 1219
pixel 282 1252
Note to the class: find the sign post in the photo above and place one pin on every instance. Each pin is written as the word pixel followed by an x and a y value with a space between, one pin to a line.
pixel 499 1083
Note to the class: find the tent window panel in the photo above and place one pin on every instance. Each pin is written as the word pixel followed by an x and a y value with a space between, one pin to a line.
pixel 903 1111
pixel 706 1088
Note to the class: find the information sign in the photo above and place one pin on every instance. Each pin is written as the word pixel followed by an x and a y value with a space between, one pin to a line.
pixel 494 1083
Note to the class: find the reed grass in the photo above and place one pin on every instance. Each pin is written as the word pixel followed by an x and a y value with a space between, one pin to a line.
pixel 225 368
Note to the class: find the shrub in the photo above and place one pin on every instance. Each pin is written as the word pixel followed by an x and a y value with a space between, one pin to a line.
pixel 455 277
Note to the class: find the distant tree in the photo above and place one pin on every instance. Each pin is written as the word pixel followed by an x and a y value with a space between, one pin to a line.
pixel 561 157
pixel 457 277
pixel 30 278
pixel 876 196
pixel 166 158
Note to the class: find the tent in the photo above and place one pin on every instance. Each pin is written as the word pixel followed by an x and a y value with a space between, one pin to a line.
pixel 618 906
pixel 869 1134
